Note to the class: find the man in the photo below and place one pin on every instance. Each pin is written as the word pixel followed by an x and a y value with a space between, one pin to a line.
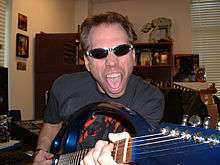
pixel 109 59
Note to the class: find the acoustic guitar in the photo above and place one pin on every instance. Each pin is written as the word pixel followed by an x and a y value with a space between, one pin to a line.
pixel 168 145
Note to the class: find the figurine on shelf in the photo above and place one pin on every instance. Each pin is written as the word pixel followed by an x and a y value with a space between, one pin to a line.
pixel 156 58
pixel 158 24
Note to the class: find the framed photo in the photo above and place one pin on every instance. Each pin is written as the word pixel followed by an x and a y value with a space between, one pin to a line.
pixel 187 65
pixel 190 60
pixel 22 22
pixel 21 65
pixel 22 45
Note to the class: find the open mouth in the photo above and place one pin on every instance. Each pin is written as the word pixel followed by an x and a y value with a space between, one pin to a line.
pixel 114 80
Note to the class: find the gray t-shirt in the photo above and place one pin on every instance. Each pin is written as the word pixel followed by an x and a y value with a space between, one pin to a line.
pixel 71 92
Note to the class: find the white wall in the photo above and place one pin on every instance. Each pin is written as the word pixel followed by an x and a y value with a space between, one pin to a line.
pixel 142 11
pixel 63 16
pixel 81 11
pixel 50 16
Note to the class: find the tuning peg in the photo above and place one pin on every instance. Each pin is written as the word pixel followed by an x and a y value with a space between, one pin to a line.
pixel 195 120
pixel 207 122
pixel 186 135
pixel 185 120
pixel 218 125
pixel 198 137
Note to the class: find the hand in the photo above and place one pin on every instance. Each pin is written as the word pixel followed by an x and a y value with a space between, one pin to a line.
pixel 43 158
pixel 101 153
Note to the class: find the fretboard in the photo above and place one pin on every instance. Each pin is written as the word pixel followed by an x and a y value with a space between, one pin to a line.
pixel 120 154
pixel 73 158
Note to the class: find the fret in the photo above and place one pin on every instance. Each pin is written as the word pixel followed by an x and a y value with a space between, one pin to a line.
pixel 115 151
pixel 77 157
pixel 72 158
pixel 81 155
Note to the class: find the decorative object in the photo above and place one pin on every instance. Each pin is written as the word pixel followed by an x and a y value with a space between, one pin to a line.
pixel 22 22
pixel 22 45
pixel 159 29
pixel 156 58
pixel 21 65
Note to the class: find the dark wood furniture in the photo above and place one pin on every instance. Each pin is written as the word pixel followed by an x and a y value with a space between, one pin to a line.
pixel 55 54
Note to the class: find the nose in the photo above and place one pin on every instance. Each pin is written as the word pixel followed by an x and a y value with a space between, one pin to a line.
pixel 111 59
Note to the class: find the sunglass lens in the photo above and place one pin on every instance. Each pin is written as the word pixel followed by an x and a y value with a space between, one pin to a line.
pixel 99 53
pixel 122 49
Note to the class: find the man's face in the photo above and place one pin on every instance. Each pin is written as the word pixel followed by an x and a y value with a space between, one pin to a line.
pixel 111 73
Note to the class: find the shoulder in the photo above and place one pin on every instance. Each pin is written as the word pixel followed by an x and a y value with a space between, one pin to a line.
pixel 66 78
pixel 144 86
pixel 72 79
pixel 68 83
pixel 144 91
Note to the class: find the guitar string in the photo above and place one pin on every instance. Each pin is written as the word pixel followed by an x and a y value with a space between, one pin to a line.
pixel 121 145
pixel 73 157
pixel 146 138
pixel 147 144
pixel 147 154
pixel 160 151
pixel 183 151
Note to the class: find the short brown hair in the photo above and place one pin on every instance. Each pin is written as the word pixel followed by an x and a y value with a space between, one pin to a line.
pixel 105 18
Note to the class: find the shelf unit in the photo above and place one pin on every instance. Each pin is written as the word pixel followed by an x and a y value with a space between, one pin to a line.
pixel 154 54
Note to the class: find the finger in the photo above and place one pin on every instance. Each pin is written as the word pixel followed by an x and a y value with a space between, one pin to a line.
pixel 98 149
pixel 81 162
pixel 105 157
pixel 45 155
pixel 88 159
pixel 49 156
pixel 92 156
pixel 41 159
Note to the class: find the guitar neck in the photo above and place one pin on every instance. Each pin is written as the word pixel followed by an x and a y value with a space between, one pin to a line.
pixel 121 153
pixel 73 158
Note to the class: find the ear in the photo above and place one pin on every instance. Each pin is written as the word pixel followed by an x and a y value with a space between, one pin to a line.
pixel 133 56
pixel 86 63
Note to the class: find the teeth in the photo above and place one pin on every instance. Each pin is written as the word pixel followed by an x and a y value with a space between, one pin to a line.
pixel 114 80
pixel 113 75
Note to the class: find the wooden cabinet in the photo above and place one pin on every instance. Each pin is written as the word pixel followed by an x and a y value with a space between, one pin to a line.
pixel 55 54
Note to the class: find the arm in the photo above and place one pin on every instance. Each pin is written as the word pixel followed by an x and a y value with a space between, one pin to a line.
pixel 47 134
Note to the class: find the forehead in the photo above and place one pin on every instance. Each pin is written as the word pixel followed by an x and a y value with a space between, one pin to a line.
pixel 107 34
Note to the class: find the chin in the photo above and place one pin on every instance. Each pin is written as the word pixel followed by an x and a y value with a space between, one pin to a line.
pixel 115 95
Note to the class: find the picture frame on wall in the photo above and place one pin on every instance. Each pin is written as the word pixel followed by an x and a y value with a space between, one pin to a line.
pixel 22 22
pixel 22 45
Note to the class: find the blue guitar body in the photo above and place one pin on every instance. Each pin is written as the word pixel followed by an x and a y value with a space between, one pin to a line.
pixel 157 149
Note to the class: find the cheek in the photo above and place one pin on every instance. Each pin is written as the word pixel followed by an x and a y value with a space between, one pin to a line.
pixel 96 67
pixel 128 62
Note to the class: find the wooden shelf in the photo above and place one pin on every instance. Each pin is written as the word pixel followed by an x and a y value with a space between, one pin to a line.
pixel 154 54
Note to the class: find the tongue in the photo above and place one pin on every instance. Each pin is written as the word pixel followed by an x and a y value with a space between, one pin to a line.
pixel 114 82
